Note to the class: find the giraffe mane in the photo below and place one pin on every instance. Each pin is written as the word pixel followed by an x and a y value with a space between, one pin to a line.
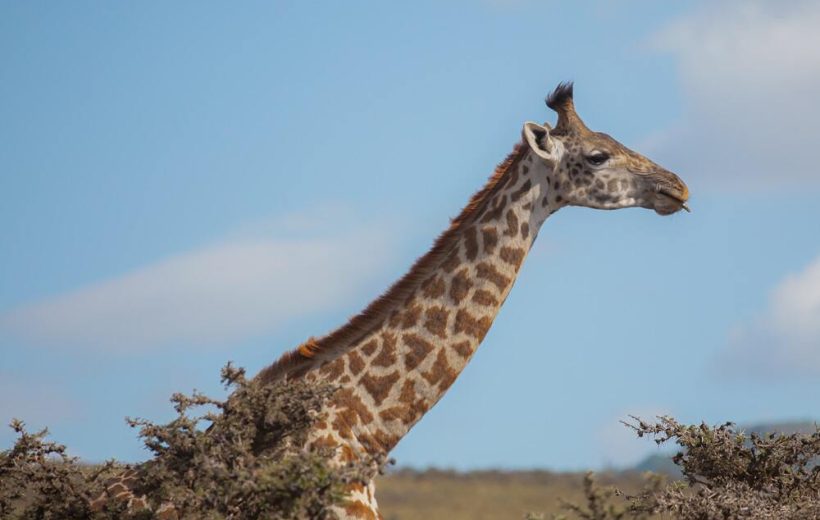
pixel 297 362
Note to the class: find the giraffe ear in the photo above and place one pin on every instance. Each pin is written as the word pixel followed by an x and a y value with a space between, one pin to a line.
pixel 539 140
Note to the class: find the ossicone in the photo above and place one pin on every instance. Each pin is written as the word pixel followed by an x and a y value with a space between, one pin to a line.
pixel 559 97
pixel 561 101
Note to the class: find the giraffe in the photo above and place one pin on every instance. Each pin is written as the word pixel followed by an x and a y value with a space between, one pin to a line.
pixel 392 362
pixel 397 358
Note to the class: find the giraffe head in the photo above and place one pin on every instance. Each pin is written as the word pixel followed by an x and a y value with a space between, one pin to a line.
pixel 594 170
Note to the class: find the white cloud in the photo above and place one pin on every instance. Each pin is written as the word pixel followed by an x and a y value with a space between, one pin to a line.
pixel 785 340
pixel 228 291
pixel 750 72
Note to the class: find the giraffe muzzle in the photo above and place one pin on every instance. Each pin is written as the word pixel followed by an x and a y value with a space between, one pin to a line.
pixel 670 195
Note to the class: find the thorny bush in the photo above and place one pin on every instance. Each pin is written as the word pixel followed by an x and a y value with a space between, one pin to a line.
pixel 240 460
pixel 726 475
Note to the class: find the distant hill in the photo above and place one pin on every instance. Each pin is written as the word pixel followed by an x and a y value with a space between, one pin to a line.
pixel 659 463
pixel 786 428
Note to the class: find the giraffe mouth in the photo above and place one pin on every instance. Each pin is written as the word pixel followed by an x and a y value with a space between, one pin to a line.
pixel 669 201
pixel 681 201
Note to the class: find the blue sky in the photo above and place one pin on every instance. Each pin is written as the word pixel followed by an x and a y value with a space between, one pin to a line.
pixel 189 184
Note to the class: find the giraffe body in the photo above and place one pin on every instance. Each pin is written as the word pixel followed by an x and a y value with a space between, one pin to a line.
pixel 395 360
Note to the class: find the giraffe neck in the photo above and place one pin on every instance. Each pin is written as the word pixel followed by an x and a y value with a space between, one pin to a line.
pixel 394 373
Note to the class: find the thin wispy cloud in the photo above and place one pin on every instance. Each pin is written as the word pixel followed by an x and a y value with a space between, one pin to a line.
pixel 230 290
pixel 749 71
pixel 784 340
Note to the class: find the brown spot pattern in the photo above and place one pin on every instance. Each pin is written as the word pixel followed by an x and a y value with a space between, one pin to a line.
pixel 333 370
pixel 341 424
pixel 436 321
pixel 485 297
pixel 512 224
pixel 521 191
pixel 525 230
pixel 470 325
pixel 355 362
pixel 489 272
pixel 325 443
pixel 370 347
pixel 412 408
pixel 379 386
pixel 386 442
pixel 512 255
pixel 387 355
pixel 397 413
pixel 460 286
pixel 489 237
pixel 408 395
pixel 463 348
pixel 408 392
pixel 418 348
pixel 410 316
pixel 470 243
pixel 496 212
pixel 377 442
pixel 345 399
pixel 347 454
pixel 451 262
pixel 441 371
pixel 433 287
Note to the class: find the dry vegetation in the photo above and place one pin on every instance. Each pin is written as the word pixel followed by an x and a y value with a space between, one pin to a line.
pixel 241 460
pixel 236 462
pixel 728 474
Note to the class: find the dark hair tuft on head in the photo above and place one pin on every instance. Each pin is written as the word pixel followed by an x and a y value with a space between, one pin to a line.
pixel 559 96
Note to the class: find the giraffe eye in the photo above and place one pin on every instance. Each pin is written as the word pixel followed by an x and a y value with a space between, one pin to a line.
pixel 597 158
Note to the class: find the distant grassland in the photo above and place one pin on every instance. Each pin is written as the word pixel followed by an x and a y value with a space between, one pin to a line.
pixel 478 495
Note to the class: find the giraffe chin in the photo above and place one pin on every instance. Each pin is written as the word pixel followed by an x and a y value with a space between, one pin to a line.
pixel 664 204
